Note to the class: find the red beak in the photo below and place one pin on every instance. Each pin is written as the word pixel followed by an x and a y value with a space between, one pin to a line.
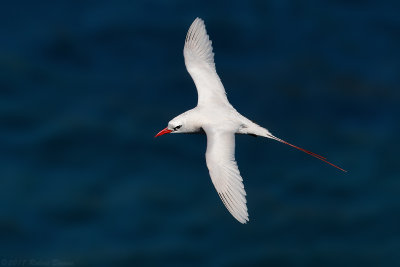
pixel 165 131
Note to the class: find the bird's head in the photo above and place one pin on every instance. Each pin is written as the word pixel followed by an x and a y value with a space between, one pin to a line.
pixel 177 125
pixel 187 122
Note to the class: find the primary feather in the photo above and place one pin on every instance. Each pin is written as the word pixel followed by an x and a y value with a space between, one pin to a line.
pixel 199 61
pixel 224 172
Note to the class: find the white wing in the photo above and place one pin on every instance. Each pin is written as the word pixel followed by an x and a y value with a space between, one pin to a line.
pixel 199 61
pixel 224 172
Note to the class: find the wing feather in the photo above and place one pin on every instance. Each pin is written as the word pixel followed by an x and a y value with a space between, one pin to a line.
pixel 224 172
pixel 199 61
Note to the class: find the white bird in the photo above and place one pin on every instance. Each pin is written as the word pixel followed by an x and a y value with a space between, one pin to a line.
pixel 219 120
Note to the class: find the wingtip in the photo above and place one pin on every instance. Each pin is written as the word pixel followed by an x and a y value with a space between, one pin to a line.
pixel 245 221
pixel 198 22
pixel 198 46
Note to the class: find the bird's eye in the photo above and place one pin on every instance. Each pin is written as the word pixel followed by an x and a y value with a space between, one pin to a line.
pixel 177 127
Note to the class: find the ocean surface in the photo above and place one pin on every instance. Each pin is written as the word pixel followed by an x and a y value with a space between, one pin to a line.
pixel 85 86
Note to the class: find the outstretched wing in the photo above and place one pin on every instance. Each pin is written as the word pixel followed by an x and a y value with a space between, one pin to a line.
pixel 199 61
pixel 224 172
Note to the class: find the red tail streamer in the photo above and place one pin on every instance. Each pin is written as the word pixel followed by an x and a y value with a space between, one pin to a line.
pixel 312 154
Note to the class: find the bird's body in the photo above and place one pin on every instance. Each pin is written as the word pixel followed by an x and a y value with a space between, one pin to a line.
pixel 219 120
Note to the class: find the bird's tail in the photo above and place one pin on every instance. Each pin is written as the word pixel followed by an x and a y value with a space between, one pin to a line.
pixel 269 135
pixel 255 129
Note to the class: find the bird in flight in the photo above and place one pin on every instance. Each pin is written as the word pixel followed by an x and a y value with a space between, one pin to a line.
pixel 215 116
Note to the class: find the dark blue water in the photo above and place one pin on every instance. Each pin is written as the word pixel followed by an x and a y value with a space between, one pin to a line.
pixel 84 87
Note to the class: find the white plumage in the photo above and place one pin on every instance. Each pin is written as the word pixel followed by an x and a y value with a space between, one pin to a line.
pixel 199 61
pixel 219 120
pixel 224 172
pixel 220 155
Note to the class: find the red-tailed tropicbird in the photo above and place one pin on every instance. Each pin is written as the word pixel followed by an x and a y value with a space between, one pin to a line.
pixel 219 120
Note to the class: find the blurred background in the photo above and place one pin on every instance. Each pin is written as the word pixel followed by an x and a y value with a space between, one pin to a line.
pixel 85 86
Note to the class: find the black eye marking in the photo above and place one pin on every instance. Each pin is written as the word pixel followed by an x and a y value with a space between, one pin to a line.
pixel 177 127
